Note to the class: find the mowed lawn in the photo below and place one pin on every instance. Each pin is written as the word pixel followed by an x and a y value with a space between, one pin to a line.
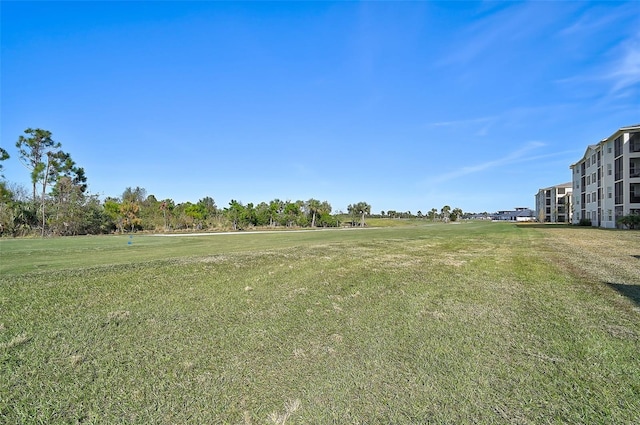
pixel 456 323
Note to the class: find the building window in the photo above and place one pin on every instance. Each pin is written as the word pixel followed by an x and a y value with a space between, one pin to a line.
pixel 609 215
pixel 588 198
pixel 634 142
pixel 617 147
pixel 634 193
pixel 634 167
pixel 619 193
pixel 609 172
pixel 618 169
pixel 609 192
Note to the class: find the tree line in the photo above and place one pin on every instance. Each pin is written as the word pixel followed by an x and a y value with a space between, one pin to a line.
pixel 59 203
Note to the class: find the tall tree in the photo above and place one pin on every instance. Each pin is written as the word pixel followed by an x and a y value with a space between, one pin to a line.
pixel 130 207
pixel 130 212
pixel 361 208
pixel 445 212
pixel 69 196
pixel 195 214
pixel 456 213
pixel 262 214
pixel 138 194
pixel 234 213
pixel 276 207
pixel 166 206
pixel 112 211
pixel 312 207
pixel 325 215
pixel 209 206
pixel 292 212
pixel 4 155
pixel 47 162
pixel 36 151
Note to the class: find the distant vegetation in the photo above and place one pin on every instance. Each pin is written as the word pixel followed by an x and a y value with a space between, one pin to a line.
pixel 59 204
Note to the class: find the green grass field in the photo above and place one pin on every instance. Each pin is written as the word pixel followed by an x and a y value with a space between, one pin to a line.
pixel 458 323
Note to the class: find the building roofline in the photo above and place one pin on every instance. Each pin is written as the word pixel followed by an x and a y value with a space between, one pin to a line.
pixel 614 135
pixel 565 185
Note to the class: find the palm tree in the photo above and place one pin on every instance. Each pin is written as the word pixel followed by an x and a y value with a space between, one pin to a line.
pixel 445 211
pixel 456 214
pixel 313 207
pixel 361 208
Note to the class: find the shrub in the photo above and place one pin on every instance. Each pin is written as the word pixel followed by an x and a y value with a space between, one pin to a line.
pixel 584 222
pixel 631 221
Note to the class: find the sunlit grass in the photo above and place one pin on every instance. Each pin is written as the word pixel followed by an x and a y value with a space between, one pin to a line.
pixel 485 323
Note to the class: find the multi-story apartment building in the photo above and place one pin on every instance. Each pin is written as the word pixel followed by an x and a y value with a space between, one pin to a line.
pixel 553 204
pixel 606 181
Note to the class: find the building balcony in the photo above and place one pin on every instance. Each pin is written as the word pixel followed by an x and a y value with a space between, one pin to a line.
pixel 634 167
pixel 634 193
pixel 634 142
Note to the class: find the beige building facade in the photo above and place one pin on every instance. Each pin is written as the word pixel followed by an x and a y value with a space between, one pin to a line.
pixel 553 204
pixel 606 181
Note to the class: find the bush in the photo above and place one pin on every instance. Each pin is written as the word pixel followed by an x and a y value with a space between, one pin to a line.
pixel 631 221
pixel 584 222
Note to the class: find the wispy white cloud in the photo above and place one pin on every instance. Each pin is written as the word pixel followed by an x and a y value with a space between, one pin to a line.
pixel 617 64
pixel 476 126
pixel 594 20
pixel 621 73
pixel 521 155
pixel 505 26
pixel 458 123
pixel 625 72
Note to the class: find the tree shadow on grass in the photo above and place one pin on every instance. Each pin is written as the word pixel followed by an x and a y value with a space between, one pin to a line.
pixel 630 291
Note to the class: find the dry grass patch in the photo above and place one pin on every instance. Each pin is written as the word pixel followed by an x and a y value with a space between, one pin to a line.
pixel 610 256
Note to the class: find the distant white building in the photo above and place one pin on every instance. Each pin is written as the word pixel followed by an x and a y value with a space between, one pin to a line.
pixel 519 214
pixel 606 181
pixel 553 204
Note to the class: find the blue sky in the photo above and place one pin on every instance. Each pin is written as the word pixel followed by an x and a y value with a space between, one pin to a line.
pixel 405 105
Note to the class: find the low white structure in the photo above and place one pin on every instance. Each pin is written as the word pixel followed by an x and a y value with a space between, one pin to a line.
pixel 553 204
pixel 606 181
pixel 519 214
